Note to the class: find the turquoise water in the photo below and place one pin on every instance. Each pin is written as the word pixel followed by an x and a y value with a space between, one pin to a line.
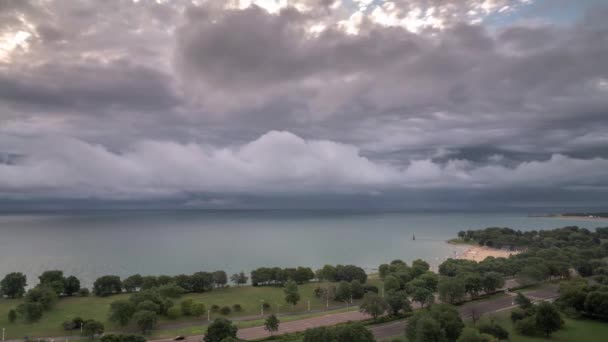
pixel 90 244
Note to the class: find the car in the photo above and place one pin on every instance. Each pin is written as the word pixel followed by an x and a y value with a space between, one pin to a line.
pixel 179 338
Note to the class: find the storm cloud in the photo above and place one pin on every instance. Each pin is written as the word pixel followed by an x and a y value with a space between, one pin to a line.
pixel 148 100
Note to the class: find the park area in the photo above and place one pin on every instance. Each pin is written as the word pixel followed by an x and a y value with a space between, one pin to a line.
pixel 250 299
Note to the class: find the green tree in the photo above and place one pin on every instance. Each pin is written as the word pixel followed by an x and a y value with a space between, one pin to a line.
pixel 473 335
pixel 220 279
pixel 425 329
pixel 219 330
pixel 132 283
pixel 523 301
pixel 54 280
pixel 71 285
pixel 398 301
pixel 492 281
pixel 440 322
pixel 271 324
pixel 419 267
pixel 239 278
pixel 31 311
pixel 292 294
pixel 146 320
pixel 373 305
pixel 12 315
pixel 149 306
pixel 356 289
pixel 421 295
pixel 343 291
pixel 451 290
pixel 353 332
pixel 13 285
pixel 320 334
pixel 197 309
pixel 45 296
pixel 107 285
pixel 171 290
pixel 391 283
pixel 92 328
pixel 548 319
pixel 186 306
pixel 121 311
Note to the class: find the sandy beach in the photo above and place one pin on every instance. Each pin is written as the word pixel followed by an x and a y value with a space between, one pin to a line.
pixel 478 253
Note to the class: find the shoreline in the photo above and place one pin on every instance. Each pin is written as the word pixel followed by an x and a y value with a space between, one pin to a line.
pixel 480 253
pixel 570 217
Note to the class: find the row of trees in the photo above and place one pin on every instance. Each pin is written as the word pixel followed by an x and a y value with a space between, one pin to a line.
pixel 579 298
pixel 341 273
pixel 13 284
pixel 279 276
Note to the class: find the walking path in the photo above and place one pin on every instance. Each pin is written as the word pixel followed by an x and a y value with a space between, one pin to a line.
pixel 467 310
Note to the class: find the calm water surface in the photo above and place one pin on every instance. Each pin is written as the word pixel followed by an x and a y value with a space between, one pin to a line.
pixel 90 244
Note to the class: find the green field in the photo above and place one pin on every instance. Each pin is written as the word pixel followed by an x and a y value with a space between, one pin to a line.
pixel 574 330
pixel 250 298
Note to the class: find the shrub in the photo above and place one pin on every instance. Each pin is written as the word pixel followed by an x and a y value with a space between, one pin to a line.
pixel 225 310
pixel 186 307
pixel 220 330
pixel 237 308
pixel 517 315
pixel 173 312
pixel 84 292
pixel 122 338
pixel 526 326
pixel 266 306
pixel 12 315
pixel 494 329
pixel 215 308
pixel 370 288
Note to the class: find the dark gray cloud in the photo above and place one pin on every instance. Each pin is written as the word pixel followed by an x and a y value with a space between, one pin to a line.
pixel 148 99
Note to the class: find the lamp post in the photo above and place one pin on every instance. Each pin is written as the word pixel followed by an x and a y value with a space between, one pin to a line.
pixel 208 315
pixel 308 301
pixel 262 307
pixel 3 330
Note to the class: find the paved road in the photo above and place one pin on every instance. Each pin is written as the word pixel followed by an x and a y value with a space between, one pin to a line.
pixel 466 311
pixel 303 324
pixel 293 326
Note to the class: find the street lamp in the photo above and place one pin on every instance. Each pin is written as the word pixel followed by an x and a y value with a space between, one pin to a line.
pixel 262 307
pixel 3 329
pixel 278 308
pixel 308 304
pixel 208 315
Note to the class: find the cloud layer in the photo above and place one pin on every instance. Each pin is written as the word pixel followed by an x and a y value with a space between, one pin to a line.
pixel 153 99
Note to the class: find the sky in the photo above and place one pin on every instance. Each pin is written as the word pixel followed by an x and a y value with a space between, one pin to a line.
pixel 303 103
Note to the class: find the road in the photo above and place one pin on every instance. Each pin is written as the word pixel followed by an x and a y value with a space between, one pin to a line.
pixel 466 311
pixel 384 330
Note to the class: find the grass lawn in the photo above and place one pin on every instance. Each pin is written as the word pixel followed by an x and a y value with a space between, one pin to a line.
pixel 97 308
pixel 574 330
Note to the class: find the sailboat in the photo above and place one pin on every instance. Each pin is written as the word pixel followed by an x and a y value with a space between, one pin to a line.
pixel 413 236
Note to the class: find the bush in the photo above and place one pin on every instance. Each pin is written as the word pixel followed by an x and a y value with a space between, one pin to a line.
pixel 526 326
pixel 12 315
pixel 370 288
pixel 517 315
pixel 220 330
pixel 173 312
pixel 215 308
pixel 494 329
pixel 122 338
pixel 186 307
pixel 225 310
pixel 84 292
pixel 237 308
pixel 266 305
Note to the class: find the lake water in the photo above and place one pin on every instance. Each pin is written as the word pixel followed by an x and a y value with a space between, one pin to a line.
pixel 90 244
